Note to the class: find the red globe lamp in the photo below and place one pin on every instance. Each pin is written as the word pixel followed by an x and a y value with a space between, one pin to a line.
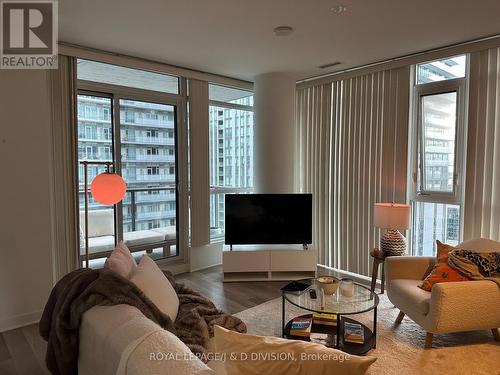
pixel 108 188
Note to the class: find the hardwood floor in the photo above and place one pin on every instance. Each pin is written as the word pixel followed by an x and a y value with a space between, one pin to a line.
pixel 22 350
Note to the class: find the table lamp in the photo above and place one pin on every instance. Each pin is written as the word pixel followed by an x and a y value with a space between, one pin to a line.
pixel 393 217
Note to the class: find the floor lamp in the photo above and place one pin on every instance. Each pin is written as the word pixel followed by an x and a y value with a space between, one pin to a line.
pixel 107 188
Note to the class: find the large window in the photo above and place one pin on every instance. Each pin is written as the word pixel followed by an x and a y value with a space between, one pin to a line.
pixel 129 117
pixel 231 149
pixel 437 152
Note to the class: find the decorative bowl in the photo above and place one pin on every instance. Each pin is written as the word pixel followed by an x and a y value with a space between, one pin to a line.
pixel 329 284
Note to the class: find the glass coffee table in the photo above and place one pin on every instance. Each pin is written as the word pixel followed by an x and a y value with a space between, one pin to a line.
pixel 362 300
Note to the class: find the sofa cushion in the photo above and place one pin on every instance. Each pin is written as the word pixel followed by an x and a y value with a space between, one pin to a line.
pixel 121 261
pixel 99 244
pixel 101 222
pixel 442 271
pixel 479 245
pixel 142 237
pixel 410 297
pixel 246 354
pixel 169 233
pixel 150 279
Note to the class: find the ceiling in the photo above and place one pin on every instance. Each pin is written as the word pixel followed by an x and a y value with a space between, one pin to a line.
pixel 235 37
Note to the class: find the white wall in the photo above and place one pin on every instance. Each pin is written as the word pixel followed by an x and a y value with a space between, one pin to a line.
pixel 25 228
pixel 205 256
pixel 274 133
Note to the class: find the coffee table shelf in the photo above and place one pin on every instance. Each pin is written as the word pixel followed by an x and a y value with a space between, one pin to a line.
pixel 362 300
pixel 348 347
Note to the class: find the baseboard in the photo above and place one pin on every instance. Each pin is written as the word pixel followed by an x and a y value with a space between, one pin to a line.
pixel 205 267
pixel 21 320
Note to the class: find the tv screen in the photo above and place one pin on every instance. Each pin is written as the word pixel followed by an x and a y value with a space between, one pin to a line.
pixel 268 219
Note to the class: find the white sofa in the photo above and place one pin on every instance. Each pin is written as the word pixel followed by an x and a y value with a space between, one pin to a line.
pixel 102 240
pixel 118 340
pixel 450 306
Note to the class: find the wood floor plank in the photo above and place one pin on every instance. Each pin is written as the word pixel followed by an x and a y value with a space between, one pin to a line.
pixel 4 351
pixel 37 344
pixel 23 358
pixel 7 367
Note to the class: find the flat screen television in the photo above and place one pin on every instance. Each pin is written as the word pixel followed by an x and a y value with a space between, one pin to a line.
pixel 252 219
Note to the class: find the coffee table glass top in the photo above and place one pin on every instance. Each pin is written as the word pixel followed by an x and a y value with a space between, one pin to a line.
pixel 361 300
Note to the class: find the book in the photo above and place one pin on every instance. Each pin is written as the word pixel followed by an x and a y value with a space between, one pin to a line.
pixel 325 319
pixel 323 339
pixel 301 327
pixel 354 333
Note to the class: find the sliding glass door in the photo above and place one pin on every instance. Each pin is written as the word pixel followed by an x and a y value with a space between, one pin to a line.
pixel 130 118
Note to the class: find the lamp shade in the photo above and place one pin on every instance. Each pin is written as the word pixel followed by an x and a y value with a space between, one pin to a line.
pixel 108 188
pixel 391 215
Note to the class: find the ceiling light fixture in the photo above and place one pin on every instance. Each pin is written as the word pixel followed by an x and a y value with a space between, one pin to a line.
pixel 283 30
pixel 338 9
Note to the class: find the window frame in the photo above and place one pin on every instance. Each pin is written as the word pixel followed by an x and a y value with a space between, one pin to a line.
pixel 179 101
pixel 417 138
pixel 419 193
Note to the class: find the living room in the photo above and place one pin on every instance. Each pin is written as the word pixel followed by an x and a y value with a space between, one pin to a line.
pixel 250 187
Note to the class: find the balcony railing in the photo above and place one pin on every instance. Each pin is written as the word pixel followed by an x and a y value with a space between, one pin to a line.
pixel 149 158
pixel 135 197
pixel 164 141
pixel 148 123
pixel 152 178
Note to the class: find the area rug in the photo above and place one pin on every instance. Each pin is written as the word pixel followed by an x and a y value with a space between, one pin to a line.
pixel 400 349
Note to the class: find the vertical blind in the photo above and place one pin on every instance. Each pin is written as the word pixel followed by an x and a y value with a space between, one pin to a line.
pixel 482 199
pixel 352 138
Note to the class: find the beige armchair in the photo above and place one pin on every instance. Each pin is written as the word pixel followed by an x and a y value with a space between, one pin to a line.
pixel 450 307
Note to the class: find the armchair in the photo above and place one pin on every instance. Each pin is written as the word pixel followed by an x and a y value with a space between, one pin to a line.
pixel 449 307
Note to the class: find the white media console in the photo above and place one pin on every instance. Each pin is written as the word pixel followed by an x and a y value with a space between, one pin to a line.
pixel 268 263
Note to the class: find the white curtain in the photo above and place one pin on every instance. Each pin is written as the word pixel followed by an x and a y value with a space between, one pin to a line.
pixel 199 163
pixel 63 168
pixel 352 138
pixel 482 198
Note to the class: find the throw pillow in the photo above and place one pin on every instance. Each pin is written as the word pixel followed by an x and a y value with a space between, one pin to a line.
pixel 255 355
pixel 442 271
pixel 121 261
pixel 150 279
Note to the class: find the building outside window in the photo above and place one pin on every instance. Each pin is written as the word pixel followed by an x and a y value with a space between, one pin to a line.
pixel 231 149
pixel 437 152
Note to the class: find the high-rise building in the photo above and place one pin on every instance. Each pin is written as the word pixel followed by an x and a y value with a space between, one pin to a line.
pixel 231 155
pixel 147 135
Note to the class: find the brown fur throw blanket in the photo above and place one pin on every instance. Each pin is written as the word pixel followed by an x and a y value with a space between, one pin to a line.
pixel 83 289
pixel 476 265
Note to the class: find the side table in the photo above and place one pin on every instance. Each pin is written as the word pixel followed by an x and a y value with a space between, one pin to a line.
pixel 378 258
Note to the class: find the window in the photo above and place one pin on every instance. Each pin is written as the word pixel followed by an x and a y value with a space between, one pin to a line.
pixel 437 153
pixel 153 171
pixel 231 167
pixel 144 133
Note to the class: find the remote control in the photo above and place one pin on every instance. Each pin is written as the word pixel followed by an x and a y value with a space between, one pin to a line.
pixel 312 293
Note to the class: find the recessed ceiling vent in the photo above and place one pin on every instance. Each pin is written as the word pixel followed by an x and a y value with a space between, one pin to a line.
pixel 329 65
pixel 283 30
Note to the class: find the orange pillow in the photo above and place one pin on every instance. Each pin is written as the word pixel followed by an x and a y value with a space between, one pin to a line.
pixel 442 271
